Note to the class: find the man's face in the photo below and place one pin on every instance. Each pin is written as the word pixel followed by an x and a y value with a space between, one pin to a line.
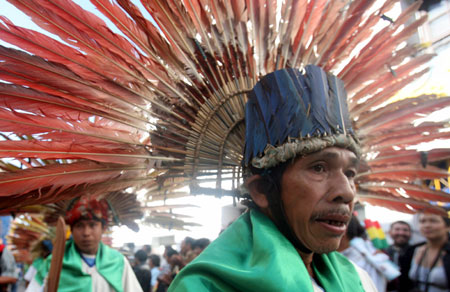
pixel 87 235
pixel 400 234
pixel 318 194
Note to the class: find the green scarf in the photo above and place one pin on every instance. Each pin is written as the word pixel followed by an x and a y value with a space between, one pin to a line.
pixel 37 263
pixel 252 255
pixel 109 263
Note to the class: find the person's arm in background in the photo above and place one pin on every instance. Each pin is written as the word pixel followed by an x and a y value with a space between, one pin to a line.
pixel 8 268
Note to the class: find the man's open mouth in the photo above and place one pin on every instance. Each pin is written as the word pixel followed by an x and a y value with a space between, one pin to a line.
pixel 337 220
pixel 333 222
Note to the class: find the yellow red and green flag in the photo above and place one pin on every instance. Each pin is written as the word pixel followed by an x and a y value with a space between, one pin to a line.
pixel 376 234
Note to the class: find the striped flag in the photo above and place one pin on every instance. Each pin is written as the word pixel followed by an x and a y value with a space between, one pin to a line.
pixel 376 234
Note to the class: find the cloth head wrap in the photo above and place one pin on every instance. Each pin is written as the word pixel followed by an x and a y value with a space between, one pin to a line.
pixel 87 209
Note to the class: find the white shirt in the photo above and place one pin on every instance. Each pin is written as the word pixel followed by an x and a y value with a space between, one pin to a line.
pixel 366 281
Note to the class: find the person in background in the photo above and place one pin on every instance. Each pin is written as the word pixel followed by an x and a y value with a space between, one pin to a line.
pixel 355 246
pixel 8 275
pixel 426 266
pixel 41 250
pixel 169 270
pixel 148 249
pixel 168 252
pixel 88 264
pixel 131 246
pixel 154 262
pixel 199 245
pixel 400 232
pixel 142 270
pixel 186 251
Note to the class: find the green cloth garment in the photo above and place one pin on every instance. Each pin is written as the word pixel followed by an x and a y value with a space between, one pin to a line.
pixel 109 263
pixel 252 255
pixel 37 263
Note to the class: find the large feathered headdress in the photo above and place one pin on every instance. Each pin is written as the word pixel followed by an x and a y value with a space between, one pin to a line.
pixel 151 97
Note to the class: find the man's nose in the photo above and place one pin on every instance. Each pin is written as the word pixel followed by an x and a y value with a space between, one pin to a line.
pixel 342 188
pixel 86 231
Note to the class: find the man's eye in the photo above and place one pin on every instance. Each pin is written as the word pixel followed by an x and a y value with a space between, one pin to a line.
pixel 318 168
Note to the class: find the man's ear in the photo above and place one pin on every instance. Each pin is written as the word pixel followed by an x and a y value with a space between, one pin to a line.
pixel 257 196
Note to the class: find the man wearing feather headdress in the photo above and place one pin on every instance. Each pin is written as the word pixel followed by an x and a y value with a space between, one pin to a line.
pixel 88 264
pixel 301 157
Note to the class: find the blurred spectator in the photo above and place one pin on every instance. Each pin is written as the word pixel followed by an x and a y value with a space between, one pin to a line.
pixel 131 246
pixel 426 266
pixel 40 251
pixel 186 249
pixel 7 268
pixel 168 252
pixel 175 264
pixel 355 246
pixel 154 262
pixel 142 270
pixel 199 245
pixel 400 233
pixel 168 271
pixel 148 249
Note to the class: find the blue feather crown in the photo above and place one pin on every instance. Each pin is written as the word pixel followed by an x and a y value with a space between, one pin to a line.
pixel 290 113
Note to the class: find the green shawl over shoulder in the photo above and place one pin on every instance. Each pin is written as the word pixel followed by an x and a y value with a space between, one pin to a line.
pixel 37 263
pixel 109 263
pixel 252 255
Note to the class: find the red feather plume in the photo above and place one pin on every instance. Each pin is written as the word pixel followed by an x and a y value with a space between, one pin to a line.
pixel 154 104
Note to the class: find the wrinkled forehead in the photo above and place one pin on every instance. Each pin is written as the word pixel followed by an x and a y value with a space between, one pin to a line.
pixel 335 154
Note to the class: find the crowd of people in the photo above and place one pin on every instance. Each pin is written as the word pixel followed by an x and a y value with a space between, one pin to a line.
pixel 402 267
pixel 424 266
pixel 152 276
pixel 88 264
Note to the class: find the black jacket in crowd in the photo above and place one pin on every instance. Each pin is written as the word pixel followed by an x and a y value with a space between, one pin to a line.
pixel 407 284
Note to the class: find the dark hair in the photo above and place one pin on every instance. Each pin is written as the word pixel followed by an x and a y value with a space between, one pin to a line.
pixel 269 184
pixel 141 255
pixel 355 229
pixel 201 243
pixel 170 251
pixel 147 248
pixel 447 221
pixel 401 222
pixel 189 240
pixel 156 260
